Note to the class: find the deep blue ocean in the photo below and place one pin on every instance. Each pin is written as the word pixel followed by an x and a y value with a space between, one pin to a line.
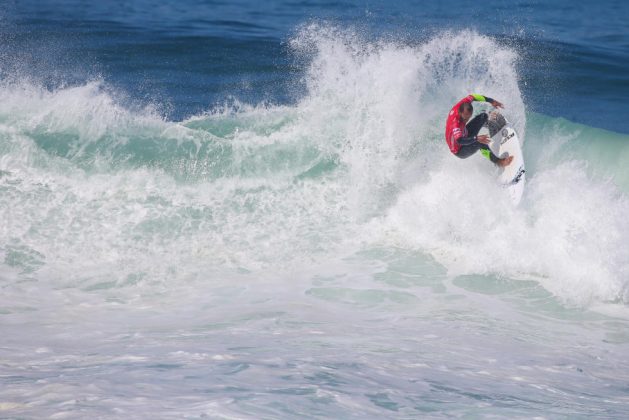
pixel 247 210
pixel 186 56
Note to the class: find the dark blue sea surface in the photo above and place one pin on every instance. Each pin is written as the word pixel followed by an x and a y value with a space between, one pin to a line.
pixel 186 56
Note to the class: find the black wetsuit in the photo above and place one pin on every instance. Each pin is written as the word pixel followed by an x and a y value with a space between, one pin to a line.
pixel 470 144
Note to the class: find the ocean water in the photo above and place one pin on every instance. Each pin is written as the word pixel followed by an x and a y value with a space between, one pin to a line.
pixel 244 210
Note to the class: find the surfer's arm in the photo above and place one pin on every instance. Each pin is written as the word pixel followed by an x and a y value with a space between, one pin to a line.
pixel 482 98
pixel 466 141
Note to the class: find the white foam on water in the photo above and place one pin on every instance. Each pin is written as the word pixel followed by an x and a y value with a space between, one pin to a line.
pixel 327 257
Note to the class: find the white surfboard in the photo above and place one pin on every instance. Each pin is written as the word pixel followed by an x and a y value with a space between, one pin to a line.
pixel 513 177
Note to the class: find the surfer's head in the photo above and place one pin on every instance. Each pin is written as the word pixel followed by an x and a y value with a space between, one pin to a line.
pixel 465 111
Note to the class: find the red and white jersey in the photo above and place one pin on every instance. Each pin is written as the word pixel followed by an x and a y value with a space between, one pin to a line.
pixel 455 126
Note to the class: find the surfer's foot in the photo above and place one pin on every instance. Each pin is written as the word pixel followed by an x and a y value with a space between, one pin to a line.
pixel 504 161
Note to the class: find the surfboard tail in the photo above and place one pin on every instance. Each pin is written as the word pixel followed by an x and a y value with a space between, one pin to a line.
pixel 495 123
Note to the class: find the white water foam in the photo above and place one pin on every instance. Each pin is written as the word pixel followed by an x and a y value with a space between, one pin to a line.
pixel 375 110
pixel 569 232
pixel 290 275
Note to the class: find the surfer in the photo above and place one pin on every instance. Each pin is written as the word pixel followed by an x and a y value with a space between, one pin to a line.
pixel 462 136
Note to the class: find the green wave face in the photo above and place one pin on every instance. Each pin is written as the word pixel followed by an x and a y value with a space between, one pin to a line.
pixel 551 141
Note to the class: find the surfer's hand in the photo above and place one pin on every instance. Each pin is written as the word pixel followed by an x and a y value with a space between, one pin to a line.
pixel 497 104
pixel 484 138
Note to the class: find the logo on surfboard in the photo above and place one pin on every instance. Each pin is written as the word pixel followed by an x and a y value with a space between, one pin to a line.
pixel 518 176
pixel 506 136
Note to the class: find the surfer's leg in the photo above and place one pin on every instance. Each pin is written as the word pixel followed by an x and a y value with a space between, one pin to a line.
pixel 474 126
pixel 468 150
pixel 486 151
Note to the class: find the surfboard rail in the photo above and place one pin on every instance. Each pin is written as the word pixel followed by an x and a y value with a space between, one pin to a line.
pixel 506 142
